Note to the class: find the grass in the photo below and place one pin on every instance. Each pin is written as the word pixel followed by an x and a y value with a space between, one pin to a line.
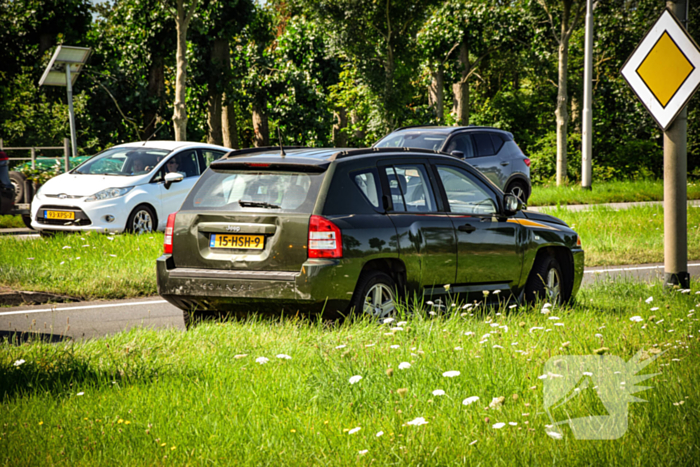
pixel 606 192
pixel 87 266
pixel 627 236
pixel 123 266
pixel 166 397
pixel 11 222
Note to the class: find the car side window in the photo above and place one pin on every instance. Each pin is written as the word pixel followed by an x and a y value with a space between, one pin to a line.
pixel 410 188
pixel 498 141
pixel 184 163
pixel 464 195
pixel 207 156
pixel 484 144
pixel 367 182
pixel 462 143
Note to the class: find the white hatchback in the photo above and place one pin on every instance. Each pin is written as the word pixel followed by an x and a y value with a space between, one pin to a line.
pixel 131 187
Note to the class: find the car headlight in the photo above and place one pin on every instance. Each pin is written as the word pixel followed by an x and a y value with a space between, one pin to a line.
pixel 39 190
pixel 109 193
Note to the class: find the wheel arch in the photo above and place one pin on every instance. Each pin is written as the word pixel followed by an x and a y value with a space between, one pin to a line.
pixel 393 267
pixel 149 205
pixel 520 178
pixel 566 262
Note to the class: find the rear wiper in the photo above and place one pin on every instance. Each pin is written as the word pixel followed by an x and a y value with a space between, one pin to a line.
pixel 256 204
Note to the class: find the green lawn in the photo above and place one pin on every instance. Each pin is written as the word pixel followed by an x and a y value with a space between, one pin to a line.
pixel 199 397
pixel 607 192
pixel 627 236
pixel 122 266
pixel 84 266
pixel 11 222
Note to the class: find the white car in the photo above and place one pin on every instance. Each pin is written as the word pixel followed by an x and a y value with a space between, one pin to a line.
pixel 131 187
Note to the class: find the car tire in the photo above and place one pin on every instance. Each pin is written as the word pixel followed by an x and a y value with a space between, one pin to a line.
pixel 375 295
pixel 141 220
pixel 545 281
pixel 519 189
pixel 18 181
pixel 27 221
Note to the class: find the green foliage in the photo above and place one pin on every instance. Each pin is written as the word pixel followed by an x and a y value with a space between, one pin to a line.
pixel 301 62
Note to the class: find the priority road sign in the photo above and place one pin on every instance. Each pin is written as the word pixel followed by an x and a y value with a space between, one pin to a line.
pixel 664 69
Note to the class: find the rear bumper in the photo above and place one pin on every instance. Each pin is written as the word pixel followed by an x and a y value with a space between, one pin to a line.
pixel 317 287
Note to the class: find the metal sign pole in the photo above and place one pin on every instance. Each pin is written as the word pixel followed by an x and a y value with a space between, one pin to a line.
pixel 587 131
pixel 71 113
pixel 675 187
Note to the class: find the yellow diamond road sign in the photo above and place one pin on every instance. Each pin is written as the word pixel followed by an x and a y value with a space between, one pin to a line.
pixel 664 70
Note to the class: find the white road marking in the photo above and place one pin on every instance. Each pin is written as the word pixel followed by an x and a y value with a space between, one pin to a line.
pixel 156 302
pixel 44 310
pixel 599 271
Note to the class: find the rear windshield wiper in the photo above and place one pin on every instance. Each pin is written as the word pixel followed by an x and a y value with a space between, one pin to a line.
pixel 256 204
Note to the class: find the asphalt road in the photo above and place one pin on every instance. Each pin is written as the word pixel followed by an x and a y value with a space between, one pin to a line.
pixel 85 320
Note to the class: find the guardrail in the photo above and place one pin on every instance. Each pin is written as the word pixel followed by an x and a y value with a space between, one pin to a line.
pixel 33 150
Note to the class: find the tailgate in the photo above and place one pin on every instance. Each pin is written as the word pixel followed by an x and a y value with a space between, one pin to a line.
pixel 228 241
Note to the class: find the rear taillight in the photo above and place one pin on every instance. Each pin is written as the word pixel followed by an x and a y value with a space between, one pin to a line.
pixel 325 240
pixel 527 162
pixel 168 243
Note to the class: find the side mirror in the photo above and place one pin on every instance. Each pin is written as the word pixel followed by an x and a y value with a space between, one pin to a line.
pixel 171 178
pixel 512 204
pixel 458 154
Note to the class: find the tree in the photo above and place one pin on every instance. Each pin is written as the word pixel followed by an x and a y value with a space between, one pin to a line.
pixel 219 21
pixel 570 12
pixel 472 31
pixel 183 15
pixel 378 38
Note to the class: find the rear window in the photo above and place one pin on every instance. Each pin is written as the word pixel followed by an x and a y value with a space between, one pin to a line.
pixel 254 191
pixel 413 140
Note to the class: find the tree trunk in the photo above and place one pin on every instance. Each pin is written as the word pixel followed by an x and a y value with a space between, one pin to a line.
pixel 219 59
pixel 228 121
pixel 340 137
pixel 389 85
pixel 357 134
pixel 155 89
pixel 436 92
pixel 561 112
pixel 182 23
pixel 262 131
pixel 461 88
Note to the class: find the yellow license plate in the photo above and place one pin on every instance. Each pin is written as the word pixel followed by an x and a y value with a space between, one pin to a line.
pixel 252 242
pixel 59 215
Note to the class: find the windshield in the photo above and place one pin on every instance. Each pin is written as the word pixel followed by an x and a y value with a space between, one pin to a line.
pixel 123 161
pixel 413 140
pixel 243 191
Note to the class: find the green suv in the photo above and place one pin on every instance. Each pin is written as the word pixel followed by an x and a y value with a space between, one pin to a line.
pixel 336 231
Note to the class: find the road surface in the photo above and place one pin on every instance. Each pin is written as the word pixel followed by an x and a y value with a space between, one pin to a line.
pixel 85 320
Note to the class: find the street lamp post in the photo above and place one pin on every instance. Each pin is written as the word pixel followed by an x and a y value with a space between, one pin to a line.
pixel 63 69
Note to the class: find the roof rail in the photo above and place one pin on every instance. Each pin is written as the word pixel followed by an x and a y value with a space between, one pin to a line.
pixel 248 151
pixel 357 152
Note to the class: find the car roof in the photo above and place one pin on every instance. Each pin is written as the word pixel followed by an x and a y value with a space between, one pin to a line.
pixel 446 130
pixel 170 145
pixel 315 156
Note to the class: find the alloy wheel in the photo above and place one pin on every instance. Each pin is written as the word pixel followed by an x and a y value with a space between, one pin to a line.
pixel 142 223
pixel 553 285
pixel 379 301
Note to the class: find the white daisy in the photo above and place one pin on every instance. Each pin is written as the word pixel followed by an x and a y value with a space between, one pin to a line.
pixel 355 379
pixel 470 400
pixel 451 374
pixel 438 392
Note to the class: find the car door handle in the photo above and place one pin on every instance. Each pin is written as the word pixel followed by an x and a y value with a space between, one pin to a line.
pixel 505 163
pixel 467 228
